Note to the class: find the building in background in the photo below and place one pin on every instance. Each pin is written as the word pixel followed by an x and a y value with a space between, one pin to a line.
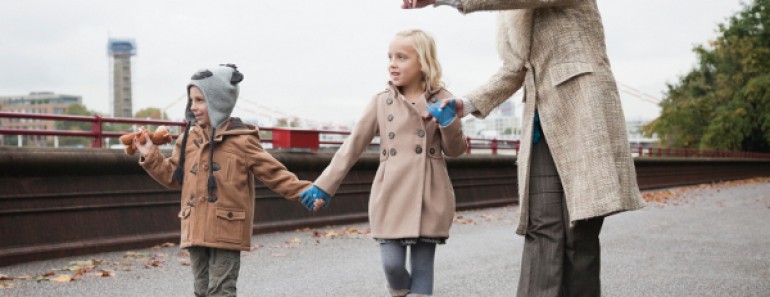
pixel 120 52
pixel 501 123
pixel 35 102
pixel 635 136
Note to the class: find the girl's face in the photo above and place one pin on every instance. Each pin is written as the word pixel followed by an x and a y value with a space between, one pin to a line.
pixel 404 67
pixel 198 106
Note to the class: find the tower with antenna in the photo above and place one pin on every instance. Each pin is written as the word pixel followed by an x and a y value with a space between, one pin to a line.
pixel 120 52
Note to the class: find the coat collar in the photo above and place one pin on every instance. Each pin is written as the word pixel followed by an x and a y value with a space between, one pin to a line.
pixel 429 94
pixel 233 126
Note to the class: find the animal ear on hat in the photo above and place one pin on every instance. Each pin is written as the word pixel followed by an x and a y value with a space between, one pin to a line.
pixel 202 74
pixel 237 77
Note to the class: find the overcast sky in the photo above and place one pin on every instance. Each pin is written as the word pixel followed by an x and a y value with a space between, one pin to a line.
pixel 319 60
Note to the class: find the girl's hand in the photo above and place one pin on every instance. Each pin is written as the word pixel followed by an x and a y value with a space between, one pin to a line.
pixel 310 198
pixel 459 108
pixel 444 113
pixel 146 148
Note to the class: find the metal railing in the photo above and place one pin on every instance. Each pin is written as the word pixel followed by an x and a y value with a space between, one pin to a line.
pixel 312 140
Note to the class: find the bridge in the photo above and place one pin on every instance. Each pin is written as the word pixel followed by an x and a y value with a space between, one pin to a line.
pixel 57 202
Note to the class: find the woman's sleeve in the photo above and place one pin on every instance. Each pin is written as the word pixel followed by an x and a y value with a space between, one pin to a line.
pixel 468 6
pixel 347 155
pixel 501 86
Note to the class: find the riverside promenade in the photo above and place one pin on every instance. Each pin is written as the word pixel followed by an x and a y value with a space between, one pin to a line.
pixel 708 240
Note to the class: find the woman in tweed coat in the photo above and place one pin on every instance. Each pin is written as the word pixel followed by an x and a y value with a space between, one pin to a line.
pixel 581 169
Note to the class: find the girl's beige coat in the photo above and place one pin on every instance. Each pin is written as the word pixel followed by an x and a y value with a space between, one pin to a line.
pixel 411 195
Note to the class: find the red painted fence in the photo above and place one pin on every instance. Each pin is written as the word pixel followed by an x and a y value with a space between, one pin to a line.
pixel 311 139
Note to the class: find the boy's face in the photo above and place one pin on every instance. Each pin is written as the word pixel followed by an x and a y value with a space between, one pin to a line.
pixel 198 106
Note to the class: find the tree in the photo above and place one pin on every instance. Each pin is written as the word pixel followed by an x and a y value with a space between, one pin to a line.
pixel 151 113
pixel 75 109
pixel 723 102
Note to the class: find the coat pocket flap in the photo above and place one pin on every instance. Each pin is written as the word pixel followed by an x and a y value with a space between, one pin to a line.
pixel 562 72
pixel 231 215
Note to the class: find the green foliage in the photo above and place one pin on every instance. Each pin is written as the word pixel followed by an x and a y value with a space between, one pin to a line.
pixel 724 102
pixel 75 109
pixel 151 113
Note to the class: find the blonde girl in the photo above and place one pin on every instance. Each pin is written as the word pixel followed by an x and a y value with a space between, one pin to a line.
pixel 412 201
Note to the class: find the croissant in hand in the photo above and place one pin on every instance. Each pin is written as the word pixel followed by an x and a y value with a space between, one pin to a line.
pixel 159 137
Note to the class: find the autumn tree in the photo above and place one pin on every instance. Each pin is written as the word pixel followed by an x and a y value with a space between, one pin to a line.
pixel 724 101
pixel 151 113
pixel 75 109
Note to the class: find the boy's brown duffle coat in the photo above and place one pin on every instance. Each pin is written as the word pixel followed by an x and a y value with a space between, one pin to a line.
pixel 411 194
pixel 238 158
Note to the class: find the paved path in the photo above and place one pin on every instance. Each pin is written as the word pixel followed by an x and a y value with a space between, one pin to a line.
pixel 708 242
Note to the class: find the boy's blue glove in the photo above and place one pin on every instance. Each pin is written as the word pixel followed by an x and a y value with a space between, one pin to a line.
pixel 443 116
pixel 310 195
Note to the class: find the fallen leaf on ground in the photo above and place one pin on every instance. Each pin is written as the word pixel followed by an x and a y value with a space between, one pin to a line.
pixel 136 256
pixel 7 285
pixel 104 273
pixel 332 233
pixel 461 220
pixel 490 217
pixel 62 278
pixel 164 245
pixel 5 277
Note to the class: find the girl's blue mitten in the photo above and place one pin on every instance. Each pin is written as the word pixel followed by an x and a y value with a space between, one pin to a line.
pixel 445 115
pixel 310 195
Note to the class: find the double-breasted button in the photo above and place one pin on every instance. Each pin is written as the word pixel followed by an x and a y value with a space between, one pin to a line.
pixel 230 215
pixel 421 133
pixel 392 152
pixel 389 101
pixel 390 118
pixel 384 152
pixel 418 149
pixel 391 135
pixel 432 151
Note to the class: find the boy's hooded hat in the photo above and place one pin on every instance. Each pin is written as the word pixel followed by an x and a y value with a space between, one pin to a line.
pixel 220 89
pixel 219 86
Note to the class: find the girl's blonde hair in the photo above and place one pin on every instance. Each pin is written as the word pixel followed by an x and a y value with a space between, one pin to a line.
pixel 425 46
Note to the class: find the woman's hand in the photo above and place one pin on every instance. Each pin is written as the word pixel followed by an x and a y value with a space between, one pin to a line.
pixel 410 4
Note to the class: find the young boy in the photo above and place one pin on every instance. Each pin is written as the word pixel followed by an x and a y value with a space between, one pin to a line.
pixel 215 164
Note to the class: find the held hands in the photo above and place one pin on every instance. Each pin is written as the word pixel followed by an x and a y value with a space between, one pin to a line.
pixel 315 198
pixel 444 112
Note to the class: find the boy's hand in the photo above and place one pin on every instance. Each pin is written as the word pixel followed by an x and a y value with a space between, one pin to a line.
pixel 318 204
pixel 146 148
pixel 311 197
